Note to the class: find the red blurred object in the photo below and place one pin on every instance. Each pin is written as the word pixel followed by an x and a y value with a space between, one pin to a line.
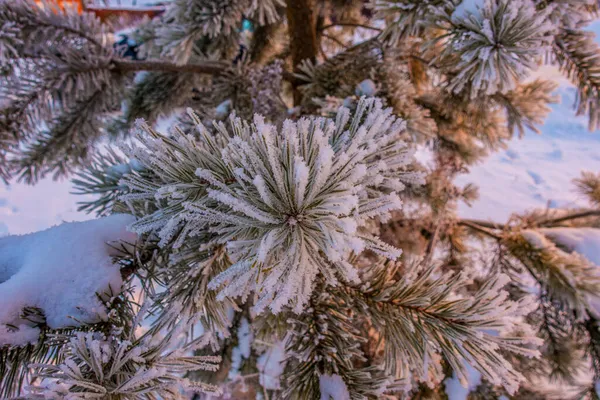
pixel 67 3
pixel 104 12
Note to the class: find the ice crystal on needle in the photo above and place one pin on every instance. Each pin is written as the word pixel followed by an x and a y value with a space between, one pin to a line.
pixel 289 203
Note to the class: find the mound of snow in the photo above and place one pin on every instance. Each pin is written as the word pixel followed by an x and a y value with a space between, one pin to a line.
pixel 61 271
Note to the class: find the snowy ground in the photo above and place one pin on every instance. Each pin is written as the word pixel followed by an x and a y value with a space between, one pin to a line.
pixel 533 172
pixel 537 171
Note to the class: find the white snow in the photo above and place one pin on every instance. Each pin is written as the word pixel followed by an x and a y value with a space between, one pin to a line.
pixel 585 241
pixel 242 350
pixel 271 364
pixel 536 239
pixel 366 88
pixel 459 391
pixel 467 6
pixel 60 270
pixel 538 170
pixel 333 387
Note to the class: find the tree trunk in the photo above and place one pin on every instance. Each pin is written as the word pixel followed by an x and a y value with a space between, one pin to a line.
pixel 303 35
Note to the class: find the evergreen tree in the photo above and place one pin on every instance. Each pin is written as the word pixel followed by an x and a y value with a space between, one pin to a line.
pixel 279 239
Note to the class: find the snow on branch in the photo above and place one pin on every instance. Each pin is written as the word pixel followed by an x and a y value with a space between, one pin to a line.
pixel 566 277
pixel 288 203
pixel 66 271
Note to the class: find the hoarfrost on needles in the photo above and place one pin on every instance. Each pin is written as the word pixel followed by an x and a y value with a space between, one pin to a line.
pixel 295 199
pixel 496 43
pixel 61 271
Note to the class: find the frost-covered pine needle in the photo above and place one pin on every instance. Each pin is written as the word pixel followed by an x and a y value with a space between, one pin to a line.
pixel 289 203
pixel 98 367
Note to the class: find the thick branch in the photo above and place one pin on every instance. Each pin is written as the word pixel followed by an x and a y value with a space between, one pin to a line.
pixel 485 226
pixel 568 217
pixel 479 228
pixel 350 24
pixel 206 67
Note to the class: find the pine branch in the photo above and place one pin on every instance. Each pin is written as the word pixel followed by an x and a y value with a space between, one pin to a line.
pixel 66 143
pixel 482 227
pixel 333 350
pixel 408 18
pixel 589 185
pixel 418 316
pixel 578 55
pixel 101 178
pixel 157 94
pixel 527 105
pixel 577 215
pixel 490 50
pixel 567 279
pixel 51 22
pixel 205 67
pixel 557 328
pixel 592 327
pixel 187 298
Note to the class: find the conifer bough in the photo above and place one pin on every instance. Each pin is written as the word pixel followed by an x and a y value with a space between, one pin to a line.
pixel 288 243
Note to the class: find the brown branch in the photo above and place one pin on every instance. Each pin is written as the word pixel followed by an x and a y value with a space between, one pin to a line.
pixel 481 229
pixel 350 24
pixel 432 243
pixel 206 67
pixel 487 227
pixel 336 40
pixel 568 217
pixel 369 297
pixel 478 222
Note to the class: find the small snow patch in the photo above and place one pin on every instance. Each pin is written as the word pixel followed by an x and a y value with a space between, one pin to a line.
pixel 366 88
pixel 555 155
pixel 242 350
pixel 537 179
pixel 333 387
pixel 271 364
pixel 467 7
pixel 457 390
pixel 512 154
